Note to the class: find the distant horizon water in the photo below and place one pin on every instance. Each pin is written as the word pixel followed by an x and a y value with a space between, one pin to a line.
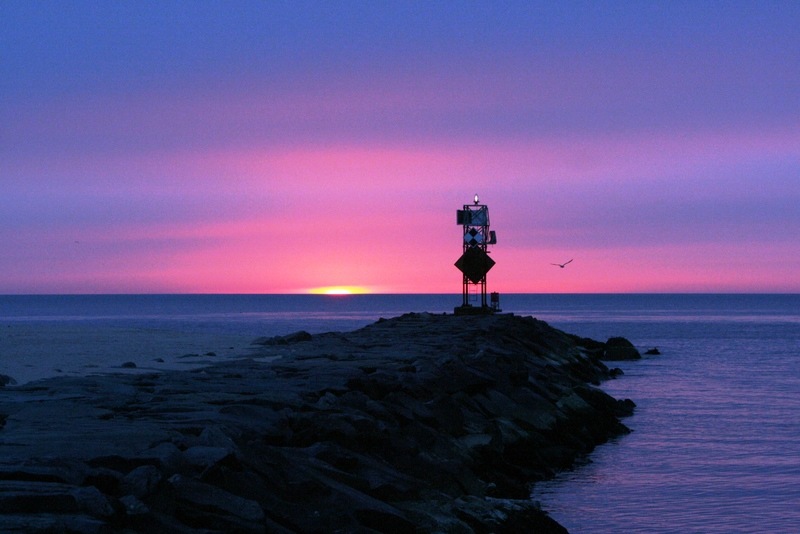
pixel 715 446
pixel 338 293
pixel 51 335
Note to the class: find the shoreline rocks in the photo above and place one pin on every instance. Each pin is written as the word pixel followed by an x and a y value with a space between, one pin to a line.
pixel 426 422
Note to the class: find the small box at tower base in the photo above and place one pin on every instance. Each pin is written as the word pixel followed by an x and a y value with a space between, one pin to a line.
pixel 475 262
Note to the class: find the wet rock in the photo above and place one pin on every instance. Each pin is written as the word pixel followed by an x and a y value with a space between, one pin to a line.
pixel 52 497
pixel 619 348
pixel 213 436
pixel 202 457
pixel 93 502
pixel 133 506
pixel 295 337
pixel 6 380
pixel 64 471
pixel 624 408
pixel 48 523
pixel 207 506
pixel 142 481
pixel 165 455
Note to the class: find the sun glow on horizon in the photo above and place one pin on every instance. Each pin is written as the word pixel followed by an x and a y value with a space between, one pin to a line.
pixel 338 290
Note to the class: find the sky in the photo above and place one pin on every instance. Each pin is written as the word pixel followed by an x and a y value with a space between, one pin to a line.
pixel 289 147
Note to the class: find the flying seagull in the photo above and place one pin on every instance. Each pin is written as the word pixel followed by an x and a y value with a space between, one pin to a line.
pixel 562 265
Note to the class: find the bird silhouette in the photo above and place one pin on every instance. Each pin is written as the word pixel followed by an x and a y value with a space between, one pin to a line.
pixel 562 265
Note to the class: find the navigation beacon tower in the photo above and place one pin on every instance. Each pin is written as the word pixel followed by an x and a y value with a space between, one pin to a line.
pixel 475 262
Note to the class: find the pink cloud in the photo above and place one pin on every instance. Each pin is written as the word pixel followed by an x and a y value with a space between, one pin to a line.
pixel 208 186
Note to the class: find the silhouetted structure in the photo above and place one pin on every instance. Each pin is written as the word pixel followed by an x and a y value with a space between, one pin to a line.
pixel 475 262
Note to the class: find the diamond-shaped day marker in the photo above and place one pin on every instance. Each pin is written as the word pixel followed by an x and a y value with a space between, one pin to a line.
pixel 474 263
pixel 473 237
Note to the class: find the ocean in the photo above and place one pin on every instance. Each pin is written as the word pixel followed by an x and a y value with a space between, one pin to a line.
pixel 715 441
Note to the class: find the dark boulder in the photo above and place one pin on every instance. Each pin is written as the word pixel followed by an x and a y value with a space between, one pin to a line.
pixel 619 348
pixel 205 505
pixel 288 339
pixel 6 380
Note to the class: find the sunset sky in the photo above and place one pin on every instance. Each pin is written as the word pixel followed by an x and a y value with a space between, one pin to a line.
pixel 282 147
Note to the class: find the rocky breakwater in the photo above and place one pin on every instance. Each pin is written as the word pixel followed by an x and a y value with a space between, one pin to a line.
pixel 427 423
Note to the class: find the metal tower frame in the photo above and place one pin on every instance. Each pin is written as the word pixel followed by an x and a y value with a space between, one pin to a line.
pixel 475 262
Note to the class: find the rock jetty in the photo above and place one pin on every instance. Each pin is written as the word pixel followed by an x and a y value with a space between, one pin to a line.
pixel 419 423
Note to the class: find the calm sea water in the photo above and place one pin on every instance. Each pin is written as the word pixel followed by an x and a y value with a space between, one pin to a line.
pixel 715 445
